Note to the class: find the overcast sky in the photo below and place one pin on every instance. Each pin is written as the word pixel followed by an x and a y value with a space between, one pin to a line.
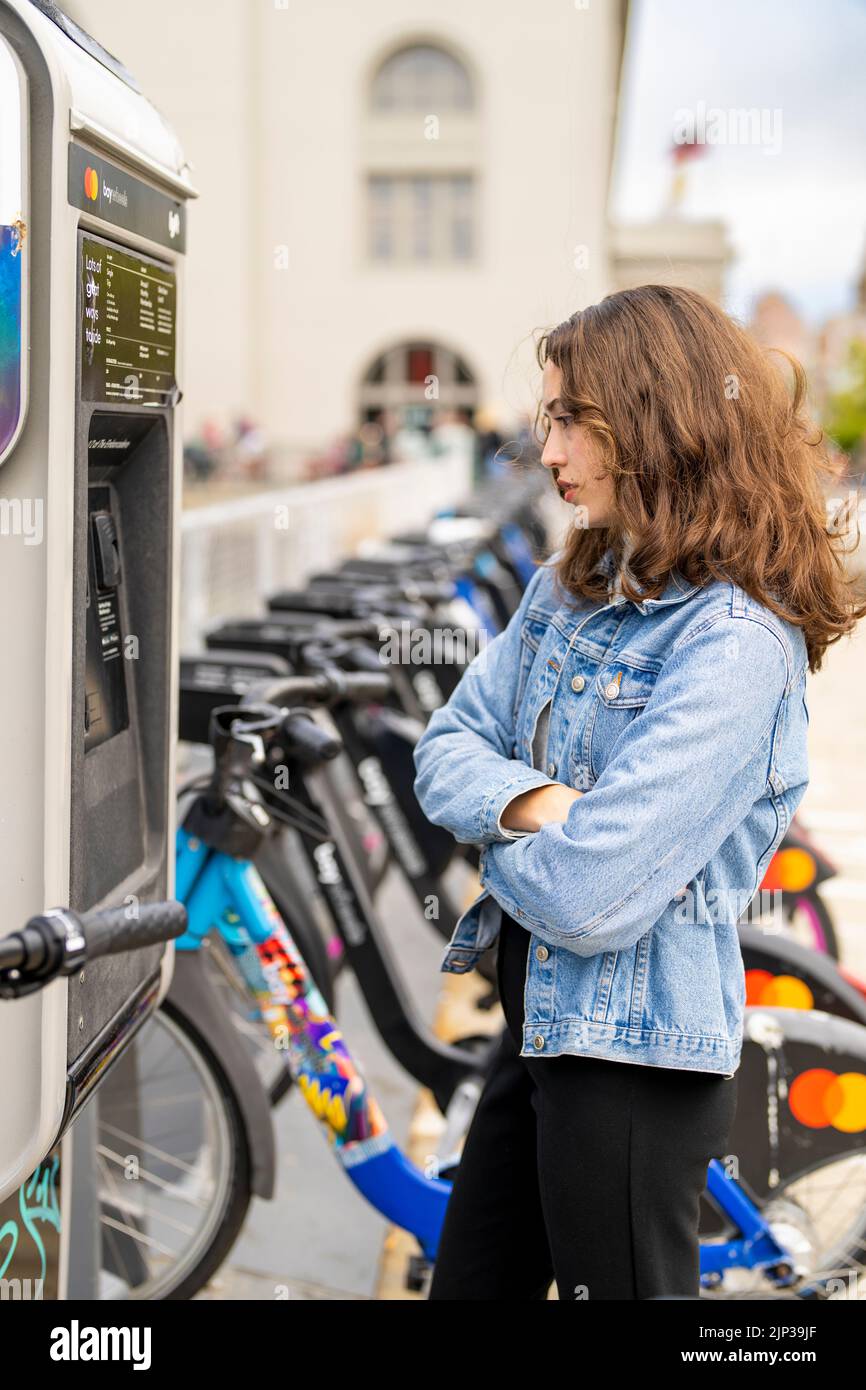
pixel 797 213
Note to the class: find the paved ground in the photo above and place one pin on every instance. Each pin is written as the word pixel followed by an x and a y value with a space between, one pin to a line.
pixel 319 1240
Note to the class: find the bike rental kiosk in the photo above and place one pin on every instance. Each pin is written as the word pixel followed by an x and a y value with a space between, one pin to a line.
pixel 93 195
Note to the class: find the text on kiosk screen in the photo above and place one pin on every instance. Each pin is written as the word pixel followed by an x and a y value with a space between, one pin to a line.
pixel 128 328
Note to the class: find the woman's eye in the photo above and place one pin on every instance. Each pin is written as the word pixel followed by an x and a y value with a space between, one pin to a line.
pixel 564 420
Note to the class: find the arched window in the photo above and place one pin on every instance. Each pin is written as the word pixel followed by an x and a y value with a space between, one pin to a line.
pixel 421 152
pixel 422 77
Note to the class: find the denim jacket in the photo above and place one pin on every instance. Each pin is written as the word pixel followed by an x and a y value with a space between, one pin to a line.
pixel 683 719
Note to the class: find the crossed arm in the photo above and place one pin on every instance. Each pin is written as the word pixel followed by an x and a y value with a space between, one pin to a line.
pixel 593 872
pixel 531 810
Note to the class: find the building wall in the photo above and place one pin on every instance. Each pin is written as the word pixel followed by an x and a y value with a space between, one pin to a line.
pixel 268 103
pixel 191 58
pixel 671 250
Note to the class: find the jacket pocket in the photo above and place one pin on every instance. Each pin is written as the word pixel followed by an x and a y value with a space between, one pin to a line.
pixel 620 692
pixel 532 632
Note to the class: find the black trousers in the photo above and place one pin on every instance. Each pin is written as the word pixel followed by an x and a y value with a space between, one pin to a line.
pixel 584 1171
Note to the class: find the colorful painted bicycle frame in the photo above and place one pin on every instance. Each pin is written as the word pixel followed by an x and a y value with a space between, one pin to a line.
pixel 228 895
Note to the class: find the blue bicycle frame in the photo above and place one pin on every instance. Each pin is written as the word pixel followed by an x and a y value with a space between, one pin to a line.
pixel 229 895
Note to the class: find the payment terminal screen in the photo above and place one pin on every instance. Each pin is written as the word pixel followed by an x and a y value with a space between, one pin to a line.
pixel 128 309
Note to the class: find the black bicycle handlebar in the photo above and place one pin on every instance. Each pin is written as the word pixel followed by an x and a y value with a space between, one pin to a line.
pixel 113 931
pixel 346 594
pixel 59 941
pixel 325 688
pixel 361 658
pixel 307 739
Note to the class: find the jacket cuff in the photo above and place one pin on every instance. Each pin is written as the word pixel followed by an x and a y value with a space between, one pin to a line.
pixel 493 808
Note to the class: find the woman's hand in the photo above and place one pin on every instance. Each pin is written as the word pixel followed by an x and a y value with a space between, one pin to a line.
pixel 533 809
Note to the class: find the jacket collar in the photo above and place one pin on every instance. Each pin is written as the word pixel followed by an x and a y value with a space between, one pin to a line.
pixel 675 591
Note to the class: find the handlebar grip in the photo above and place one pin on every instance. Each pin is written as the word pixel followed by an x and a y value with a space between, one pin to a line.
pixel 362 658
pixel 362 686
pixel 430 592
pixel 112 931
pixel 308 740
pixel 312 601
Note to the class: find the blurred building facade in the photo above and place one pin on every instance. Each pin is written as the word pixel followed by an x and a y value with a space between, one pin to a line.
pixel 395 196
pixel 823 349
pixel 671 250
pixel 777 324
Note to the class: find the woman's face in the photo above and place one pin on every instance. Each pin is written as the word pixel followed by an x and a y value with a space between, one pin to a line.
pixel 575 459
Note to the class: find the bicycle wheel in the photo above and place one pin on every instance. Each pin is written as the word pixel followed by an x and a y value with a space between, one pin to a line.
pixel 820 1218
pixel 246 1017
pixel 173 1164
pixel 807 921
pixel 244 1009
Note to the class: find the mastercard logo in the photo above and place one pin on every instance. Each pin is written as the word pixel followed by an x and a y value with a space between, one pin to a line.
pixel 791 870
pixel 91 183
pixel 777 991
pixel 820 1099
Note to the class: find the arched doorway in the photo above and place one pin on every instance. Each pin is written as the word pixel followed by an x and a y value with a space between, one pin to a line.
pixel 417 384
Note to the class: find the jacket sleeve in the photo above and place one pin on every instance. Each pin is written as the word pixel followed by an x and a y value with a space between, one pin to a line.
pixel 683 775
pixel 465 774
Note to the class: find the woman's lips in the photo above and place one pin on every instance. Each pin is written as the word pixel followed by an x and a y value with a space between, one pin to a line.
pixel 567 490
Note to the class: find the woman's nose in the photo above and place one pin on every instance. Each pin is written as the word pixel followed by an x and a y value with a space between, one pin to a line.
pixel 552 457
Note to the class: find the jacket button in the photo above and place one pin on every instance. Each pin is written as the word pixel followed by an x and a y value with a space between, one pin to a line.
pixel 538 1042
pixel 577 683
pixel 541 953
pixel 551 768
pixel 611 690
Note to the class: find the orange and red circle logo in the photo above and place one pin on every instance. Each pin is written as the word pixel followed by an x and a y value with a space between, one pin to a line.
pixel 91 183
pixel 820 1099
pixel 777 991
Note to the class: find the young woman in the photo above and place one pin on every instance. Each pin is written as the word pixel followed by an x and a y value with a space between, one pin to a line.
pixel 629 753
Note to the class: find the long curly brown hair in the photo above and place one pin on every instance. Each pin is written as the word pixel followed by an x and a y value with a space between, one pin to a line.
pixel 716 464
